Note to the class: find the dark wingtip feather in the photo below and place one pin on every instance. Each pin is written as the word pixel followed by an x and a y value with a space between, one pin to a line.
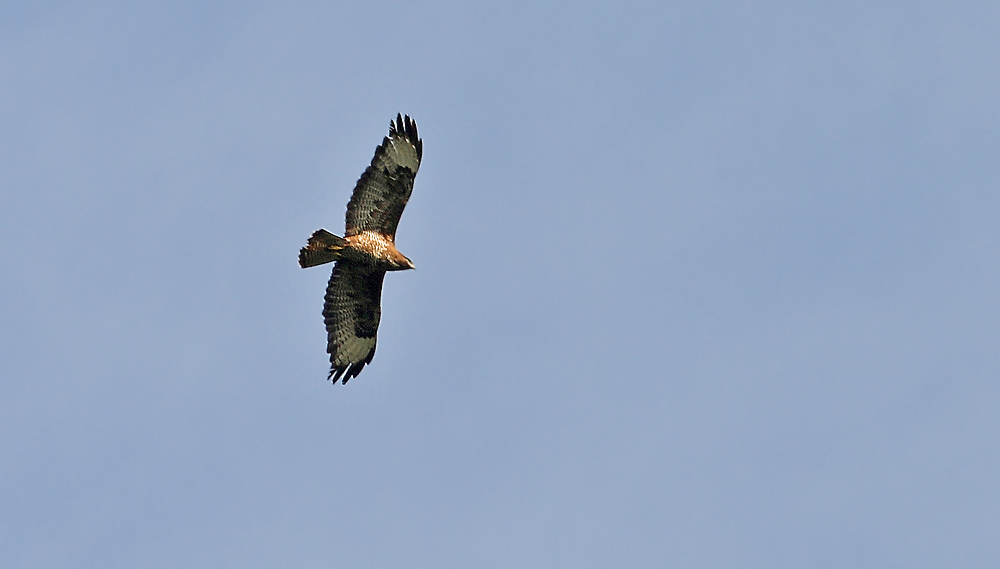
pixel 354 371
pixel 346 372
pixel 350 370
pixel 335 373
pixel 410 126
pixel 396 127
pixel 405 127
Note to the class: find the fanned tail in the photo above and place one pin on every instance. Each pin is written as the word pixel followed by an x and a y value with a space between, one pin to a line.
pixel 323 247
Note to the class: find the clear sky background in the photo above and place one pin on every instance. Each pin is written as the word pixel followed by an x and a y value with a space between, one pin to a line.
pixel 700 284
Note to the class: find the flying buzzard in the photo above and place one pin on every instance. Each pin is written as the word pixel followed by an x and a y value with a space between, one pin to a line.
pixel 367 250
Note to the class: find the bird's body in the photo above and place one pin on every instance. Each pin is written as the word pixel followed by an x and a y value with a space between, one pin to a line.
pixel 367 251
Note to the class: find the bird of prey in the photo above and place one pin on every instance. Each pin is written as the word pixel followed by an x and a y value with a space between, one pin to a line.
pixel 367 251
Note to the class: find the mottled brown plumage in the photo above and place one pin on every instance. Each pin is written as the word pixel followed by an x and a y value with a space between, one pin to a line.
pixel 367 251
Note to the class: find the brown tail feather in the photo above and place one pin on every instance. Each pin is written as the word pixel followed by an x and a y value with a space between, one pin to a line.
pixel 323 247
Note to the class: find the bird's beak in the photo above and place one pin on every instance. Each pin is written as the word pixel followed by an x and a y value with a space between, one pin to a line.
pixel 410 263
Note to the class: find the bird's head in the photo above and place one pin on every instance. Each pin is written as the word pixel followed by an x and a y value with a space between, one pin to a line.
pixel 399 261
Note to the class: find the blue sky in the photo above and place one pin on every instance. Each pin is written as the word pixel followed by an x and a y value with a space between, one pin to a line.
pixel 700 284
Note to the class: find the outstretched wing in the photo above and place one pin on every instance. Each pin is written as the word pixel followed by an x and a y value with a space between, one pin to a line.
pixel 381 193
pixel 352 312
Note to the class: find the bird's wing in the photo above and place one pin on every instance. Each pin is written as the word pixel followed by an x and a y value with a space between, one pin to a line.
pixel 352 311
pixel 381 193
